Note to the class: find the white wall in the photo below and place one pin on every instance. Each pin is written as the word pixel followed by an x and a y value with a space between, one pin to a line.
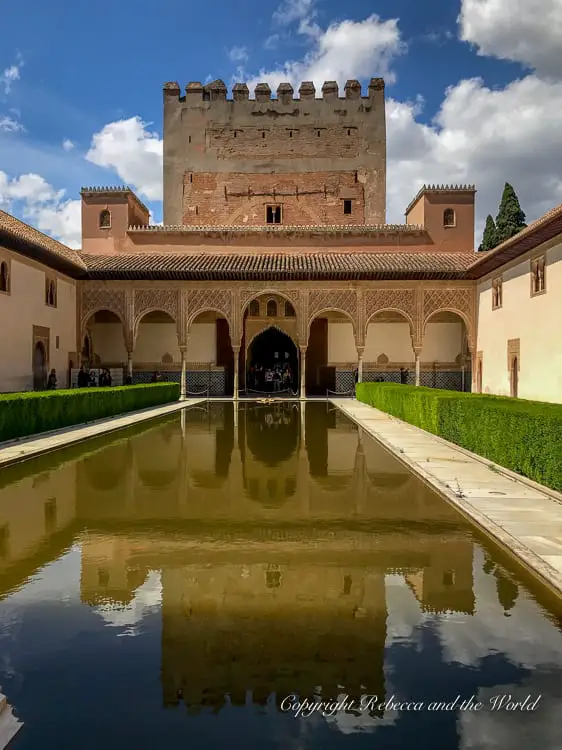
pixel 442 342
pixel 341 342
pixel 22 308
pixel 535 321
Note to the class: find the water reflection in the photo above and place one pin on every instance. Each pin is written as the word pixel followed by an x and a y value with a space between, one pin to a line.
pixel 293 555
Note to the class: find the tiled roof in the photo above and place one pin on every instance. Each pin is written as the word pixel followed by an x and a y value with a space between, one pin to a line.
pixel 547 227
pixel 222 266
pixel 37 245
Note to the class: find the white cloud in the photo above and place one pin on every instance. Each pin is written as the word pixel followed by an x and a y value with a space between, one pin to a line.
pixel 68 145
pixel 293 10
pixel 133 152
pixel 40 204
pixel 347 49
pixel 8 76
pixel 238 54
pixel 525 31
pixel 10 125
pixel 475 138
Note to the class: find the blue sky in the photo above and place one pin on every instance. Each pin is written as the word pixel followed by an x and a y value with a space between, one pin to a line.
pixel 474 90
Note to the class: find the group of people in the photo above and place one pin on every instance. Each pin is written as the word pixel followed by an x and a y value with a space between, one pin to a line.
pixel 87 378
pixel 271 379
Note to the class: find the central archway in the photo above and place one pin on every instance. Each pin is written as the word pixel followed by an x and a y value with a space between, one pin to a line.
pixel 272 362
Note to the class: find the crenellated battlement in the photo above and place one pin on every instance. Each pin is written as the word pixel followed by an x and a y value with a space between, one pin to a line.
pixel 216 91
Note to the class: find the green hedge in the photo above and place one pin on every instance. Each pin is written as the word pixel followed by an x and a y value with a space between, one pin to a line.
pixel 23 414
pixel 524 436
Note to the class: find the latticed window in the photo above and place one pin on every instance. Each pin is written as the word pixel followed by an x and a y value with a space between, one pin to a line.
pixel 271 308
pixel 537 275
pixel 254 309
pixel 289 310
pixel 449 219
pixel 50 293
pixel 105 219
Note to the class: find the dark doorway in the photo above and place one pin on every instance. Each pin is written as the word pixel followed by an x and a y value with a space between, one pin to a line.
pixel 272 364
pixel 39 367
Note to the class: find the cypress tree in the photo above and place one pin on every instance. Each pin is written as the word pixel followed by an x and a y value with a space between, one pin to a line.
pixel 489 236
pixel 510 219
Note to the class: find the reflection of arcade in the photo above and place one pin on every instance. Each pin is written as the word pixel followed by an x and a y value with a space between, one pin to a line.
pixel 255 594
pixel 272 349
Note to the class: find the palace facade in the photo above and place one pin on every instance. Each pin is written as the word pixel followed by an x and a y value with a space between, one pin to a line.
pixel 274 246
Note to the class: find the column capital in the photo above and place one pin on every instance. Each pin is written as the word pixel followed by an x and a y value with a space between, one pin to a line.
pixel 183 349
pixel 360 351
pixel 303 348
pixel 417 350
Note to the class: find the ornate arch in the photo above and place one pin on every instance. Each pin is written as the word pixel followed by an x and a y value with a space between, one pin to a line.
pixel 266 326
pixel 460 302
pixel 248 295
pixel 333 300
pixel 96 299
pixel 152 300
pixel 210 300
pixel 402 301
pixel 398 311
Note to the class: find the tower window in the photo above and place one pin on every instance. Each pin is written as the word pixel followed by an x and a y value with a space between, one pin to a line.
pixel 449 219
pixel 273 214
pixel 263 133
pixel 191 178
pixel 347 207
pixel 105 219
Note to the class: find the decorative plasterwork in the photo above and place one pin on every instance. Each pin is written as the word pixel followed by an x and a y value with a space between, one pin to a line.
pixel 149 300
pixel 95 299
pixel 203 300
pixel 401 300
pixel 460 301
pixel 337 300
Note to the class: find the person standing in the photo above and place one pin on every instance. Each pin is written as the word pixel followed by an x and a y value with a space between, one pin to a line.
pixel 52 381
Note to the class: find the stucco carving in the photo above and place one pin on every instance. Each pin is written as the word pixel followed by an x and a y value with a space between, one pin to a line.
pixel 401 300
pixel 95 299
pixel 460 301
pixel 219 300
pixel 147 300
pixel 344 300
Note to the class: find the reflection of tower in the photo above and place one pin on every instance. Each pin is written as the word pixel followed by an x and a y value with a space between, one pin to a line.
pixel 271 627
pixel 108 576
pixel 446 584
pixel 507 590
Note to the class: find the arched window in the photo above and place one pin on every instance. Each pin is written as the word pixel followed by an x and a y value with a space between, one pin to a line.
pixel 537 276
pixel 50 293
pixel 105 219
pixel 449 219
pixel 497 296
pixel 4 278
pixel 271 308
pixel 514 377
pixel 254 310
pixel 289 310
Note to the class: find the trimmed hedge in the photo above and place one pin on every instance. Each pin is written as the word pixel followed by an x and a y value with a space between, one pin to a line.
pixel 524 436
pixel 23 414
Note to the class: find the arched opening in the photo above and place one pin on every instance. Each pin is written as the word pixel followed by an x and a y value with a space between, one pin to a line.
pixel 271 308
pixel 388 354
pixel 104 341
pixel 156 337
pixel 105 219
pixel 210 357
pixel 331 355
pixel 4 279
pixel 515 377
pixel 272 363
pixel 289 310
pixel 39 367
pixel 254 309
pixel 445 357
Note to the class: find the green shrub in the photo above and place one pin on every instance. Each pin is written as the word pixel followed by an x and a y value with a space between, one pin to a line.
pixel 524 436
pixel 23 414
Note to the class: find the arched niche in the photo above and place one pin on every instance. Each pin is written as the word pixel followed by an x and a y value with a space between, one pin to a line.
pixel 272 433
pixel 445 355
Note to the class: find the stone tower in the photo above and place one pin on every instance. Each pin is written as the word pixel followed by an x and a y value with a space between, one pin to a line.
pixel 287 161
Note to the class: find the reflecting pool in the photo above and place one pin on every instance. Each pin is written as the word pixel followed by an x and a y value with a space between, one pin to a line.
pixel 174 585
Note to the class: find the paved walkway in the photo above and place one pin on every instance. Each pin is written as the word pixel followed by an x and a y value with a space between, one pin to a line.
pixel 14 451
pixel 524 516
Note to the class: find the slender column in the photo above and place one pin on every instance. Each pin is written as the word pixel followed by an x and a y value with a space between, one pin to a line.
pixel 417 352
pixel 303 372
pixel 183 385
pixel 130 364
pixel 236 350
pixel 360 350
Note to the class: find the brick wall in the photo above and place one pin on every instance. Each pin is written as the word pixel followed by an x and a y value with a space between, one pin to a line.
pixel 285 141
pixel 239 198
